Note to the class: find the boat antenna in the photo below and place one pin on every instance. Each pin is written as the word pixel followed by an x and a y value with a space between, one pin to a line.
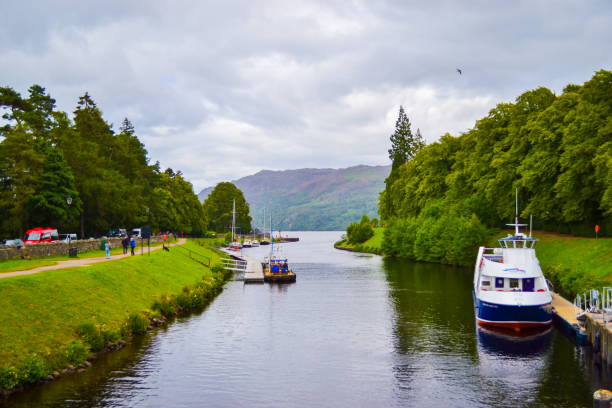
pixel 516 224
pixel 516 227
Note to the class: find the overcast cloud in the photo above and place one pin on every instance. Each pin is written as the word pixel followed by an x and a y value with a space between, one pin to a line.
pixel 221 90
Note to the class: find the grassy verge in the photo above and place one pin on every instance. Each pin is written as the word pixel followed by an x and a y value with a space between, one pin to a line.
pixel 12 265
pixel 372 245
pixel 53 319
pixel 575 264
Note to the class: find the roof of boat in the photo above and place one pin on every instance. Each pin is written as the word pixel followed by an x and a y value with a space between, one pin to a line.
pixel 520 237
pixel 518 263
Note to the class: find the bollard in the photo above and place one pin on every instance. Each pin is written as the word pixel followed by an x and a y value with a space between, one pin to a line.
pixel 602 398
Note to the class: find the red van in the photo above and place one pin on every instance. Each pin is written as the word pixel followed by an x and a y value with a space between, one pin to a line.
pixel 36 235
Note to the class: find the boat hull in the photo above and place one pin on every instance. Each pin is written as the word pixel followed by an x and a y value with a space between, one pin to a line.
pixel 514 317
pixel 280 278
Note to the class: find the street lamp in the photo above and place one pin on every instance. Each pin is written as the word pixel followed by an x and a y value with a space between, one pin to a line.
pixel 68 201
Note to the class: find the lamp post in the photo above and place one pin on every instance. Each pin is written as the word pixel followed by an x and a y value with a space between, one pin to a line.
pixel 68 201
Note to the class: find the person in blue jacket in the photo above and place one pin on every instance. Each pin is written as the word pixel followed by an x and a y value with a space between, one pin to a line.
pixel 132 245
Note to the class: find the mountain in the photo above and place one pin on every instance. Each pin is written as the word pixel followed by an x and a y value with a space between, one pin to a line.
pixel 312 199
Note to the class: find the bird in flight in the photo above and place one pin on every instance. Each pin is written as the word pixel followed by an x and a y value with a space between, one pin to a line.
pixel 459 71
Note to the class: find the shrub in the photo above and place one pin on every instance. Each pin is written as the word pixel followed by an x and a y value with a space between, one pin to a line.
pixel 138 324
pixel 359 233
pixel 32 369
pixel 92 336
pixel 76 352
pixel 164 306
pixel 9 377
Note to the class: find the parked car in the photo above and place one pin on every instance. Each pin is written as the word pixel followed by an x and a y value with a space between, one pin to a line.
pixel 38 234
pixel 67 237
pixel 136 232
pixel 120 232
pixel 12 243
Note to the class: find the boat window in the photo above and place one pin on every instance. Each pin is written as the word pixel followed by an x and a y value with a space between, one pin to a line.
pixel 486 283
pixel 528 284
pixel 499 282
pixel 514 283
pixel 520 244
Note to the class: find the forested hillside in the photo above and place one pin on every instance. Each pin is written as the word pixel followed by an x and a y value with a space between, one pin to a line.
pixel 556 150
pixel 312 199
pixel 45 157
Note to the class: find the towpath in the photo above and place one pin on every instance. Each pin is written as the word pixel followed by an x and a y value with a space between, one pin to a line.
pixel 77 262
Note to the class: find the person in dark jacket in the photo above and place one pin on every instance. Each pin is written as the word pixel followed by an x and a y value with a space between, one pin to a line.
pixel 125 242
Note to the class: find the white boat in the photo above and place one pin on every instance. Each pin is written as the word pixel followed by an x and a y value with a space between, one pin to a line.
pixel 247 244
pixel 510 290
pixel 255 243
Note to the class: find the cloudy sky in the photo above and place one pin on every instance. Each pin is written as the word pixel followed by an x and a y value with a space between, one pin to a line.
pixel 223 89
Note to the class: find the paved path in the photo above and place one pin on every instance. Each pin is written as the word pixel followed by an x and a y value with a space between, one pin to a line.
pixel 77 262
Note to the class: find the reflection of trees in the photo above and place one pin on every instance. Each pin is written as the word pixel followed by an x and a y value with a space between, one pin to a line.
pixel 434 307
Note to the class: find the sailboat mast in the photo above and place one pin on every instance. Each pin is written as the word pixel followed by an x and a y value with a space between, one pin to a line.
pixel 233 219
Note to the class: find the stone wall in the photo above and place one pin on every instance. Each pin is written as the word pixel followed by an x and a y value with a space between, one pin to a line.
pixel 60 248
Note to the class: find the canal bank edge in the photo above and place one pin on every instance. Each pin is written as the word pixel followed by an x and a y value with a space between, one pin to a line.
pixel 54 342
pixel 572 264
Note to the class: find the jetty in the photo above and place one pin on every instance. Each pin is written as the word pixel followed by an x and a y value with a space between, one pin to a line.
pixel 566 313
pixel 251 268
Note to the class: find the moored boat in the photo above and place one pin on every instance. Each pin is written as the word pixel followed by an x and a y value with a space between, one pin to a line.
pixel 510 290
pixel 247 244
pixel 277 270
pixel 255 243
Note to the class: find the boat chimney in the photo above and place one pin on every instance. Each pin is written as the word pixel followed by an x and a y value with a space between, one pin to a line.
pixel 530 224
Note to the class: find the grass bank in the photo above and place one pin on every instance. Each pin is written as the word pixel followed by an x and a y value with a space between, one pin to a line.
pixel 52 319
pixel 12 265
pixel 572 264
pixel 372 245
pixel 575 264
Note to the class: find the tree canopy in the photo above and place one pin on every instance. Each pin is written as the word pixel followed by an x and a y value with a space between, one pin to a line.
pixel 218 208
pixel 556 150
pixel 45 158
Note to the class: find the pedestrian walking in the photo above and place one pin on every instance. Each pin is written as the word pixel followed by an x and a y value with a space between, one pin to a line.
pixel 124 243
pixel 107 246
pixel 132 245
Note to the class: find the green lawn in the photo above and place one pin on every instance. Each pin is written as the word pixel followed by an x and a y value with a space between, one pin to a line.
pixel 41 312
pixel 12 265
pixel 576 263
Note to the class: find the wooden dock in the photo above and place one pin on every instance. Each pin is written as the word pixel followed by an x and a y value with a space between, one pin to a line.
pixel 252 268
pixel 565 312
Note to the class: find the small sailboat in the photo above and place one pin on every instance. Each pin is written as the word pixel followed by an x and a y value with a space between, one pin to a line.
pixel 234 245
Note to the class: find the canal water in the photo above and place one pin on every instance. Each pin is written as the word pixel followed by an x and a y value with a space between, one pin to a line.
pixel 354 331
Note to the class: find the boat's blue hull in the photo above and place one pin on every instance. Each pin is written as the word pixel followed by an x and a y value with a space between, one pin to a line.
pixel 512 317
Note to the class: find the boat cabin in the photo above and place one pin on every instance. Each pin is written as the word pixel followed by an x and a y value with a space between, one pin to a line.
pixel 512 284
pixel 518 241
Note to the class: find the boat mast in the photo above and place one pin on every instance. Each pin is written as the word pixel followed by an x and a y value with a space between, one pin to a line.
pixel 233 219
pixel 271 239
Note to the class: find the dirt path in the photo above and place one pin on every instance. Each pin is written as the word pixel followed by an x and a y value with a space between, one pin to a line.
pixel 77 262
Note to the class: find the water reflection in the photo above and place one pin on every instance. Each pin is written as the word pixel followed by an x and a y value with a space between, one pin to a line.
pixel 503 343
